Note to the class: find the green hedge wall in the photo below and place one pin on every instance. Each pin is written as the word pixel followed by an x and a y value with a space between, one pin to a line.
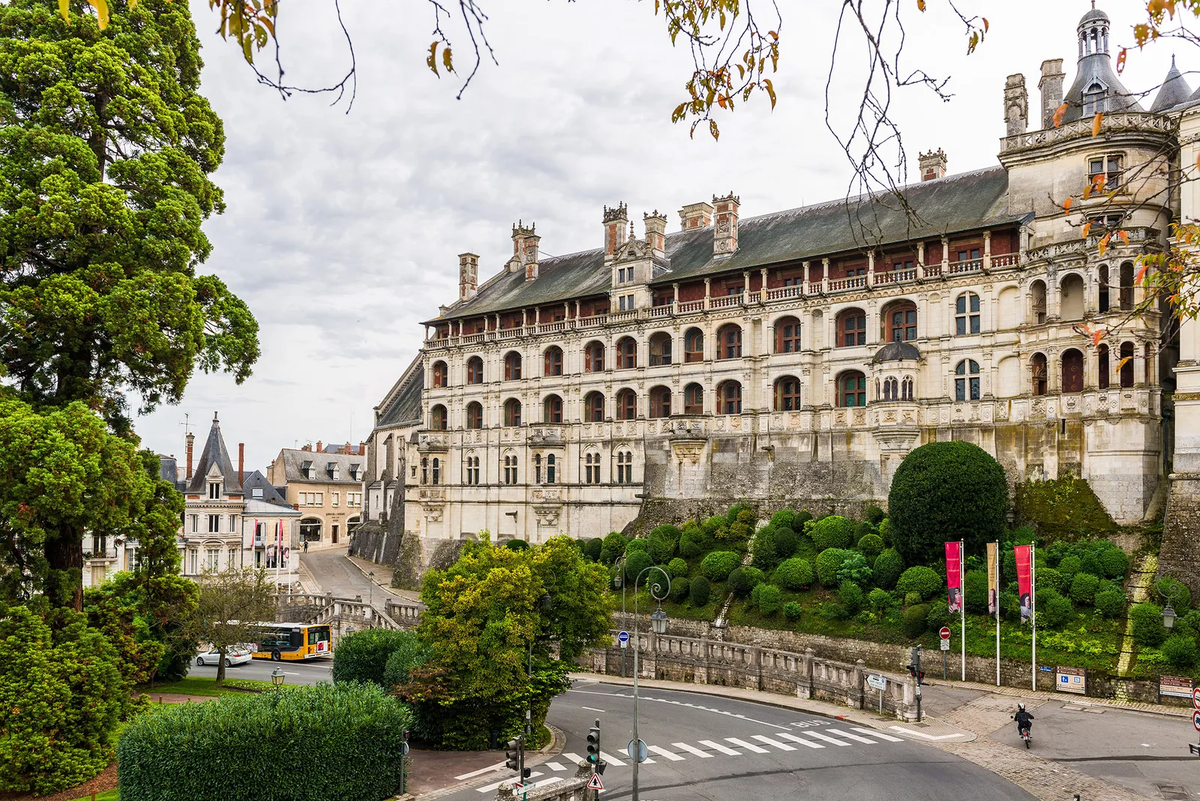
pixel 321 743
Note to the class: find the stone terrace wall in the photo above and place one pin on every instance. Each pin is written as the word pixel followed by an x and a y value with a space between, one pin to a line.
pixel 1179 555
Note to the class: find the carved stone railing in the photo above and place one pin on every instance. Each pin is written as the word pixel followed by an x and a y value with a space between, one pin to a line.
pixel 1083 128
pixel 313 608
pixel 574 789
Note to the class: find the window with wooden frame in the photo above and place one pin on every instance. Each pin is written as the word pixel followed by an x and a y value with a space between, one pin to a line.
pixel 474 370
pixel 474 415
pixel 593 408
pixel 729 398
pixel 537 468
pixel 906 388
pixel 553 362
pixel 624 467
pixel 591 473
pixel 852 389
pixel 729 340
pixel 966 380
pixel 1037 373
pixel 1072 370
pixel 627 405
pixel 512 366
pixel 966 314
pixel 626 353
pixel 787 335
pixel 660 349
pixel 550 469
pixel 440 374
pixel 437 418
pixel 693 399
pixel 552 408
pixel 787 394
pixel 1102 367
pixel 593 357
pixel 512 412
pixel 1126 364
pixel 852 328
pixel 900 322
pixel 437 471
pixel 1105 170
pixel 693 345
pixel 660 402
pixel 891 389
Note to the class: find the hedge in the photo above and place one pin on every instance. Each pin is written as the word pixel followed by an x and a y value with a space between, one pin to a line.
pixel 827 565
pixel 719 564
pixel 794 574
pixel 769 597
pixel 363 655
pixel 700 590
pixel 663 542
pixel 635 563
pixel 888 568
pixel 833 532
pixel 316 743
pixel 744 579
pixel 1083 588
pixel 784 518
pixel 1148 630
pixel 1180 651
pixel 914 620
pixel 921 580
pixel 1110 602
pixel 786 542
pixel 677 567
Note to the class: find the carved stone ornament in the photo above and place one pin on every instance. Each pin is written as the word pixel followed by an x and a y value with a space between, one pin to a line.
pixel 689 452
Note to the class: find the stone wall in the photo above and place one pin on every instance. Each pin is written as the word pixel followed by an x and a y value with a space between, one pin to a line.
pixel 376 542
pixel 1179 555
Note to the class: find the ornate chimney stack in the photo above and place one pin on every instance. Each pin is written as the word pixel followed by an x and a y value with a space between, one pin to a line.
pixel 468 275
pixel 725 233
pixel 615 221
pixel 1051 87
pixel 525 249
pixel 695 215
pixel 1016 105
pixel 241 463
pixel 191 439
pixel 933 165
pixel 656 232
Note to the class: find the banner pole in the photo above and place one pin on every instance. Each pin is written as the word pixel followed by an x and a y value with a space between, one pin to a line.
pixel 962 607
pixel 1033 611
pixel 996 577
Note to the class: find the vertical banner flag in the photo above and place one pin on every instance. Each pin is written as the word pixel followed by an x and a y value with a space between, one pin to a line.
pixel 993 579
pixel 954 575
pixel 1024 583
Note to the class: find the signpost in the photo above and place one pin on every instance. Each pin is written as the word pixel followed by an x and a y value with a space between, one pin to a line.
pixel 1195 749
pixel 879 683
pixel 1070 680
pixel 641 753
pixel 623 638
pixel 1174 687
pixel 944 633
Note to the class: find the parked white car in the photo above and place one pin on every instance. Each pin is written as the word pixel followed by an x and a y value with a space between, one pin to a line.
pixel 237 655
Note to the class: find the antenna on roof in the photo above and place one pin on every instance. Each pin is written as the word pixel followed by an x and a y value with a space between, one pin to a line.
pixel 185 424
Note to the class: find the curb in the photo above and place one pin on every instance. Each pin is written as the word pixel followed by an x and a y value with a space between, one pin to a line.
pixel 558 741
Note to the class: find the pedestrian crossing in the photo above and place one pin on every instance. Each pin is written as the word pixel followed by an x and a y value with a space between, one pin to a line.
pixel 775 742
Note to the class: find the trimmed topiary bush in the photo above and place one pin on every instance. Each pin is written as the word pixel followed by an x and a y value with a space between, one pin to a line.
pixel 794 574
pixel 636 544
pixel 885 531
pixel 693 543
pixel 832 532
pixel 363 655
pixel 854 568
pixel 850 596
pixel 719 564
pixel 677 567
pixel 1068 566
pixel 939 615
pixel 612 548
pixel 744 579
pixel 1148 630
pixel 802 517
pixel 740 513
pixel 635 563
pixel 1083 588
pixel 786 543
pixel 784 518
pixel 331 731
pixel 764 549
pixel 1114 562
pixel 592 548
pixel 792 610
pixel 888 567
pixel 975 590
pixel 769 597
pixel 914 620
pixel 1053 608
pixel 1051 579
pixel 663 541
pixel 922 580
pixel 871 545
pixel 912 598
pixel 879 601
pixel 946 491
pixel 1110 603
pixel 700 591
pixel 680 589
pixel 874 515
pixel 1180 651
pixel 829 561
pixel 1177 592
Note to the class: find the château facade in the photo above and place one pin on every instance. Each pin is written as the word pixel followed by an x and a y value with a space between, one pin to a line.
pixel 801 354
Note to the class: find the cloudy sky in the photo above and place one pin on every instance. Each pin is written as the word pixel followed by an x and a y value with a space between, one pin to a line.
pixel 342 230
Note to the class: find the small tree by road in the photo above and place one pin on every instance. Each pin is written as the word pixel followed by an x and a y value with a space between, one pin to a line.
pixel 231 603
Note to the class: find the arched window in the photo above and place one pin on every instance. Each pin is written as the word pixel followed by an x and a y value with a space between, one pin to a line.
pixel 900 322
pixel 624 467
pixel 966 380
pixel 512 366
pixel 474 370
pixel 693 399
pixel 966 314
pixel 852 328
pixel 1095 100
pixel 591 463
pixel 891 389
pixel 1037 302
pixel 1126 364
pixel 425 470
pixel 626 353
pixel 593 408
pixel 660 349
pixel 1102 367
pixel 437 471
pixel 1037 372
pixel 471 469
pixel 552 409
pixel 550 469
pixel 1070 297
pixel 627 405
pixel 474 415
pixel 1103 281
pixel 1127 286
pixel 787 394
pixel 1072 370
pixel 593 357
pixel 660 402
pixel 906 388
pixel 729 398
pixel 787 335
pixel 537 468
pixel 437 418
pixel 693 345
pixel 553 361
pixel 512 412
pixel 729 342
pixel 852 389
pixel 440 374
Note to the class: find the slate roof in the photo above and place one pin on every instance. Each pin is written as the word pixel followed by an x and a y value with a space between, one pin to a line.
pixel 333 448
pixel 897 352
pixel 294 460
pixel 168 470
pixel 1174 90
pixel 270 493
pixel 947 205
pixel 214 453
pixel 403 404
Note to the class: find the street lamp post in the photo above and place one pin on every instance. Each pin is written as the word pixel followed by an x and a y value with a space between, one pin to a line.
pixel 277 678
pixel 1173 590
pixel 371 591
pixel 658 622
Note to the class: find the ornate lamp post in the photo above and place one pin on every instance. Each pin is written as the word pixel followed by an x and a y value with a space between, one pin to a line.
pixel 1173 590
pixel 658 622
pixel 619 583
pixel 277 678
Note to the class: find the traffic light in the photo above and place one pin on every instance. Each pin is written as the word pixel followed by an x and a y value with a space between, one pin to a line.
pixel 593 747
pixel 512 755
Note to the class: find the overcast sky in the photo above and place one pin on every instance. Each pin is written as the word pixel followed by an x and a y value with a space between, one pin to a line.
pixel 342 231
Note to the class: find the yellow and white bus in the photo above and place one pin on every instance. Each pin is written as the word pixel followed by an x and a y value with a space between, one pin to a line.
pixel 290 641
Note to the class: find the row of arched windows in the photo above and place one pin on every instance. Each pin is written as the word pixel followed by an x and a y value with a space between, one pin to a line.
pixel 545 469
pixel 1073 371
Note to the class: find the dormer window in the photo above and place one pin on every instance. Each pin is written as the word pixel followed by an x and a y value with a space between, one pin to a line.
pixel 332 469
pixel 256 492
pixel 1095 100
pixel 354 471
pixel 306 469
pixel 624 275
pixel 214 490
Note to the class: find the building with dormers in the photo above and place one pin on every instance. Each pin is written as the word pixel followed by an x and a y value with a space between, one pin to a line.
pixel 799 355
pixel 326 485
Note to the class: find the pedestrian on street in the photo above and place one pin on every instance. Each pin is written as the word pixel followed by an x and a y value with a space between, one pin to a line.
pixel 306 546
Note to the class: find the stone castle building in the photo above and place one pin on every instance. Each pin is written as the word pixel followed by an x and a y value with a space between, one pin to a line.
pixel 801 354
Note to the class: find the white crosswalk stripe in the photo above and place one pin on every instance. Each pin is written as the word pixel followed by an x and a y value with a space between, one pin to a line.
pixel 849 736
pixel 879 734
pixel 762 738
pixel 691 749
pixel 610 759
pixel 718 747
pixel 575 758
pixel 746 745
pixel 491 788
pixel 555 766
pixel 820 736
pixel 783 735
pixel 665 753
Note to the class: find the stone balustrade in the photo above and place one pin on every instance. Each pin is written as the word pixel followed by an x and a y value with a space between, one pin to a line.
pixel 352 613
pixel 574 789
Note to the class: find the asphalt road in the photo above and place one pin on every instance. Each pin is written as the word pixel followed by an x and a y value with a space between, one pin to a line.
pixel 336 574
pixel 706 747
pixel 310 672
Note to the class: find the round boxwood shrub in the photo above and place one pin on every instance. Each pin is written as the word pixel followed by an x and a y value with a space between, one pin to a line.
pixel 677 567
pixel 832 532
pixel 517 545
pixel 712 525
pixel 871 545
pixel 1110 603
pixel 769 597
pixel 792 610
pixel 1053 608
pixel 592 548
pixel 939 615
pixel 1010 605
pixel 850 596
pixel 764 549
pixel 1148 630
pixel 1090 563
pixel 794 574
pixel 744 579
pixel 912 598
pixel 693 543
pixel 829 561
pixel 784 518
pixel 1083 588
pixel 888 567
pixel 1051 579
pixel 635 563
pixel 874 515
pixel 363 655
pixel 1177 591
pixel 680 589
pixel 636 544
pixel 802 517
pixel 332 732
pixel 700 591
pixel 1189 624
pixel 786 543
pixel 914 620
pixel 885 531
pixel 663 541
pixel 854 568
pixel 1180 651
pixel 880 601
pixel 946 491
pixel 1114 562
pixel 920 579
pixel 719 564
pixel 612 548
pixel 740 513
pixel 1068 566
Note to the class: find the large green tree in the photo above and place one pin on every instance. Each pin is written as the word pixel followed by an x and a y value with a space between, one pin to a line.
pixel 106 148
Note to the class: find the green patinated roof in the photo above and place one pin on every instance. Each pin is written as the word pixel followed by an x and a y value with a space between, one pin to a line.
pixel 948 205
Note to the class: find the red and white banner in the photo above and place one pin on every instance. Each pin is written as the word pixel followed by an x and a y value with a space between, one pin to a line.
pixel 1024 554
pixel 954 585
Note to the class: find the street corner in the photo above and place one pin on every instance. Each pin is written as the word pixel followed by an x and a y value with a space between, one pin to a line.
pixel 928 731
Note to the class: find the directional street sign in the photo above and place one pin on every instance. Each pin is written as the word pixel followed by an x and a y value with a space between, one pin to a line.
pixel 595 783
pixel 877 682
pixel 944 633
pixel 623 638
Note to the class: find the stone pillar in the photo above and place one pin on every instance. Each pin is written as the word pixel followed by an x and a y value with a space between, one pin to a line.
pixel 675 293
pixel 860 680
pixel 806 279
pixel 945 257
pixel 920 260
pixel 762 290
pixel 987 251
pixel 871 268
pixel 707 292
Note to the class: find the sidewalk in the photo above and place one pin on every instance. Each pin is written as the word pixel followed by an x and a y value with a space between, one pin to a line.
pixel 383 578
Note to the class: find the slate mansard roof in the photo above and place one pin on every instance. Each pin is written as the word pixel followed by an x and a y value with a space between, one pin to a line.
pixel 957 203
pixel 214 453
pixel 295 463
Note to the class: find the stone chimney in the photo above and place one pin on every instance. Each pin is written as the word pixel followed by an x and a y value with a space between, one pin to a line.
pixel 191 439
pixel 615 220
pixel 241 463
pixel 468 275
pixel 319 448
pixel 1016 105
pixel 725 232
pixel 656 232
pixel 695 215
pixel 1051 86
pixel 933 164
pixel 525 250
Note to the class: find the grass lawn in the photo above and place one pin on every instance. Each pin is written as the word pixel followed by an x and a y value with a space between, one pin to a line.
pixel 107 795
pixel 199 685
